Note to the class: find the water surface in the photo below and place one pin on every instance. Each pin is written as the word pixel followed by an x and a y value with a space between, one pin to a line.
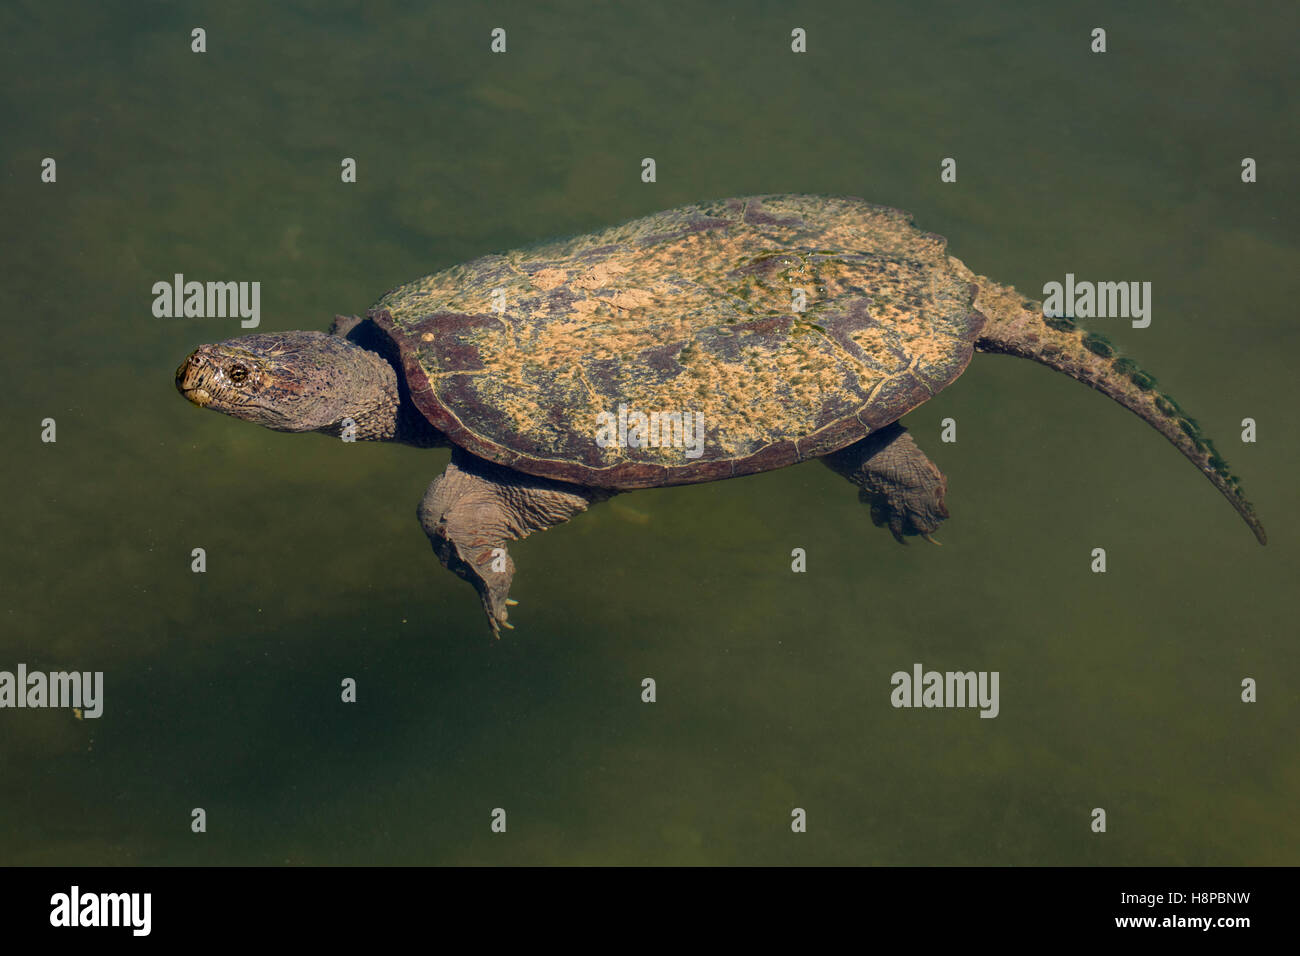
pixel 1118 690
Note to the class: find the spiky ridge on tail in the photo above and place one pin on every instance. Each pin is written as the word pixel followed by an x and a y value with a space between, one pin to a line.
pixel 1018 327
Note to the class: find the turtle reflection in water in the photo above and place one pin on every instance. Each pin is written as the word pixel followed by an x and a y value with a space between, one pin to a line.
pixel 790 327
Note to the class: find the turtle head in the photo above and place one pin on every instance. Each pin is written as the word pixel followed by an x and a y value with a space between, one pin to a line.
pixel 294 382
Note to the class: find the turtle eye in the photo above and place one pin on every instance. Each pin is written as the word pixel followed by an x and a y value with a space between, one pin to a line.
pixel 238 374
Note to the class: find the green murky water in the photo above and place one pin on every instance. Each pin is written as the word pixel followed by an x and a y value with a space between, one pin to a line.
pixel 1118 691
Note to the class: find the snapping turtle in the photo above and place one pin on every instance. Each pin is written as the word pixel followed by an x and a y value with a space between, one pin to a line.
pixel 697 344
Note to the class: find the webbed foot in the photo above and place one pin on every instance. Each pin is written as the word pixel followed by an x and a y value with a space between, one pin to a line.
pixel 903 488
pixel 473 508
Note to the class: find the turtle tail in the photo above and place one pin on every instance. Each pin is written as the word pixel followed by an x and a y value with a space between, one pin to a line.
pixel 1017 327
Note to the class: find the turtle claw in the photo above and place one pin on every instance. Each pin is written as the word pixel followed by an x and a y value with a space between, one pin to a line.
pixel 497 614
pixel 496 623
pixel 499 619
pixel 906 514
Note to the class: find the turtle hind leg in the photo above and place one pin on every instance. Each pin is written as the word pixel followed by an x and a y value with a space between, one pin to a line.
pixel 474 507
pixel 904 488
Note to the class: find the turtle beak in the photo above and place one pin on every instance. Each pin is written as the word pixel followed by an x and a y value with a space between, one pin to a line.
pixel 189 380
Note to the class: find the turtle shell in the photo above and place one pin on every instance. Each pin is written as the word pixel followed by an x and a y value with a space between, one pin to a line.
pixel 775 328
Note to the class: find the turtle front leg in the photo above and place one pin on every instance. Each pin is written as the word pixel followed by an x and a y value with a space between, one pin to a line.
pixel 474 507
pixel 904 488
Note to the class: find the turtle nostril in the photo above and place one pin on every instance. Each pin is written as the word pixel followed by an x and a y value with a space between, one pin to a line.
pixel 187 369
